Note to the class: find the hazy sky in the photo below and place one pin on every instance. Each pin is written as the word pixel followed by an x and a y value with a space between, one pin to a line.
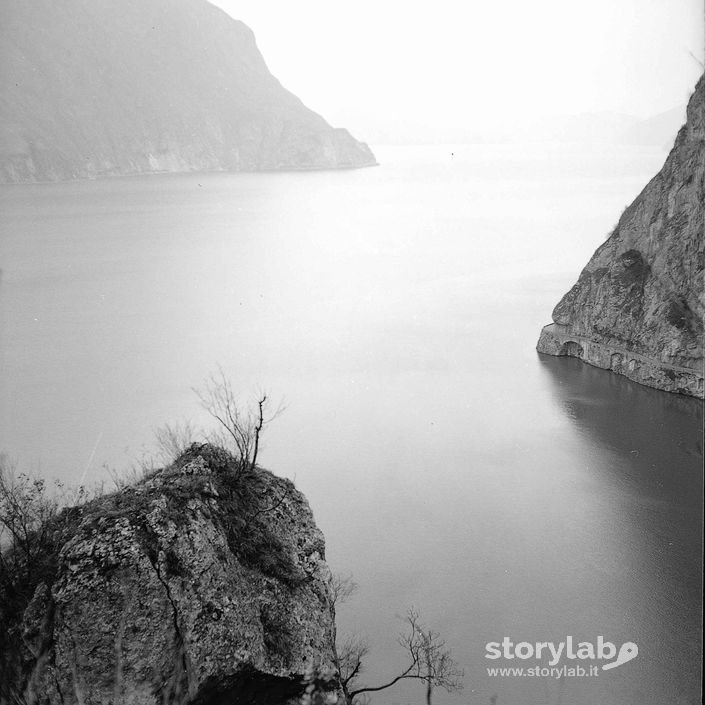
pixel 466 62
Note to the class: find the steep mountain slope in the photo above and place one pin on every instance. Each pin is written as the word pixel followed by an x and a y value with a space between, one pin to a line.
pixel 638 306
pixel 93 87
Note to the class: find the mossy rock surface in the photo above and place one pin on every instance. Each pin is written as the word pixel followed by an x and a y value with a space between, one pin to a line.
pixel 193 581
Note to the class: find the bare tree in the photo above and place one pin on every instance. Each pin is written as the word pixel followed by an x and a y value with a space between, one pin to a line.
pixel 343 588
pixel 428 660
pixel 349 657
pixel 241 424
pixel 26 510
pixel 349 653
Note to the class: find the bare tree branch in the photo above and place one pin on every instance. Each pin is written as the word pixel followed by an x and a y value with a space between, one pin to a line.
pixel 173 440
pixel 349 657
pixel 25 512
pixel 241 424
pixel 429 661
pixel 343 588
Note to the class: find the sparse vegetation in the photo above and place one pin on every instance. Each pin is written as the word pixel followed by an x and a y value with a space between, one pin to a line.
pixel 26 510
pixel 428 659
pixel 240 424
pixel 32 526
pixel 173 440
pixel 343 588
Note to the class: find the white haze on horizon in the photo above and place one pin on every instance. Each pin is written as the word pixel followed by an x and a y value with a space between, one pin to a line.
pixel 478 65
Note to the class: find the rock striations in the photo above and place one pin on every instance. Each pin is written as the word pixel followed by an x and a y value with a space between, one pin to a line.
pixel 639 305
pixel 189 587
pixel 93 88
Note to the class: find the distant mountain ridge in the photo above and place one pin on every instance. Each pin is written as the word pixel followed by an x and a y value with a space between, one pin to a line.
pixel 598 128
pixel 93 87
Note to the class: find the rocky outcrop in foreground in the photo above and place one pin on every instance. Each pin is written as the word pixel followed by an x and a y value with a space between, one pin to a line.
pixel 639 305
pixel 189 587
pixel 93 88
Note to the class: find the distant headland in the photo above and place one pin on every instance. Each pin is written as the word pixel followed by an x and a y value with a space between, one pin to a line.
pixel 104 89
pixel 638 306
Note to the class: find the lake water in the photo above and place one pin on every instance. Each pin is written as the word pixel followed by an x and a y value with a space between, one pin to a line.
pixel 395 311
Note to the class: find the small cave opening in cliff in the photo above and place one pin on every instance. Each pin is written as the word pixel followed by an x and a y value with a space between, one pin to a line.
pixel 571 349
pixel 248 687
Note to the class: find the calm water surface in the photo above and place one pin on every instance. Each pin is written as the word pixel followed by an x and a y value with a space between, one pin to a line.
pixel 395 310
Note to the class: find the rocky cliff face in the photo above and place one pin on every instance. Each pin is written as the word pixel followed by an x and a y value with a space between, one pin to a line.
pixel 639 305
pixel 92 87
pixel 190 587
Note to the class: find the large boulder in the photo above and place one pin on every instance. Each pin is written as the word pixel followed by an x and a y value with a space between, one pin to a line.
pixel 192 586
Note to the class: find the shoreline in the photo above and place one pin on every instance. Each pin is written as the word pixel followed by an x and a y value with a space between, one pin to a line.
pixel 560 341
